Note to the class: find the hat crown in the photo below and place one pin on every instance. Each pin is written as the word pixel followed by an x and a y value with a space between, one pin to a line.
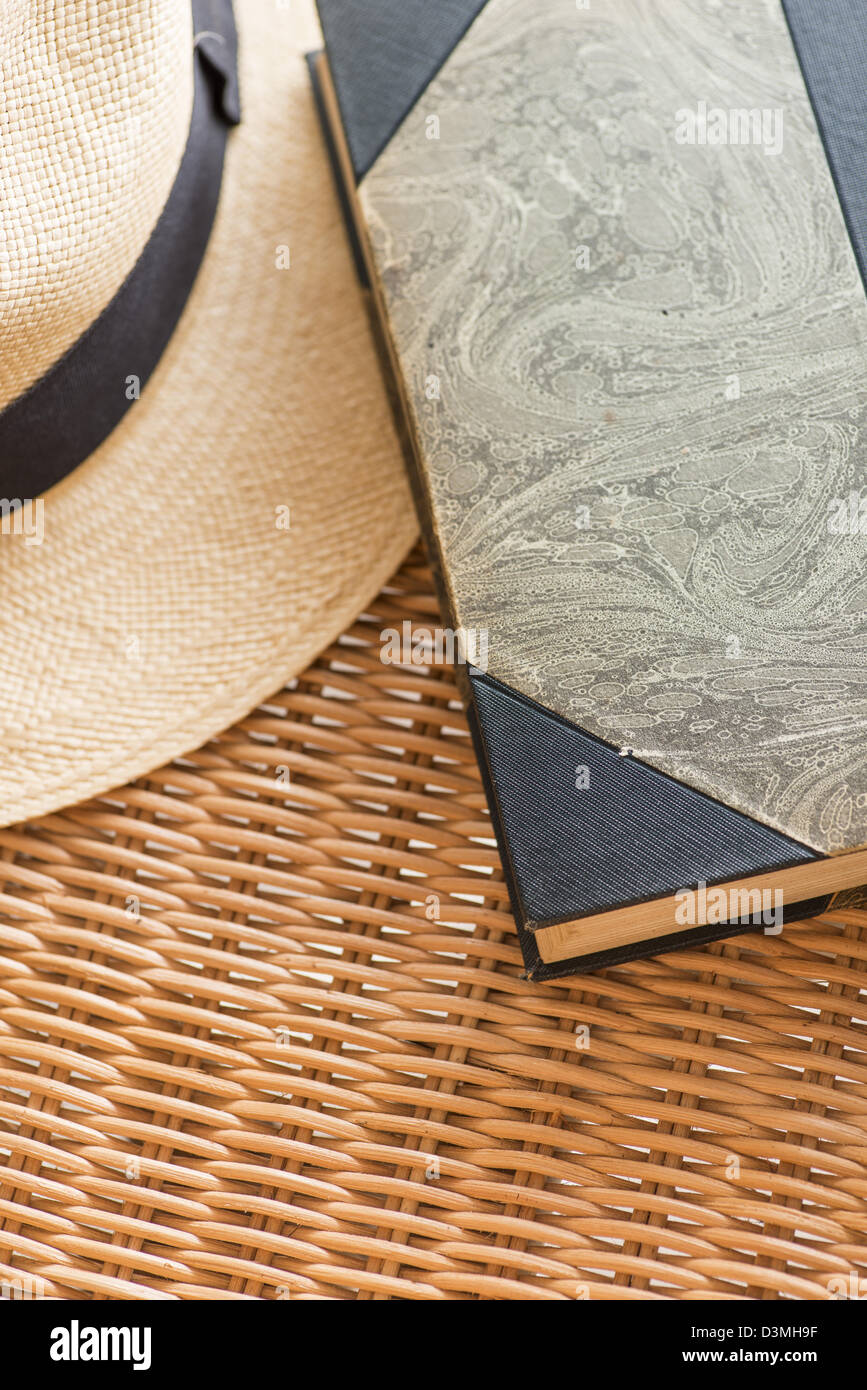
pixel 95 102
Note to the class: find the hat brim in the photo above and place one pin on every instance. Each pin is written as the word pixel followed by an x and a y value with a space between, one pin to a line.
pixel 168 596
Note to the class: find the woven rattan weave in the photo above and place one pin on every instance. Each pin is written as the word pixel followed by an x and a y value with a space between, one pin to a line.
pixel 264 1033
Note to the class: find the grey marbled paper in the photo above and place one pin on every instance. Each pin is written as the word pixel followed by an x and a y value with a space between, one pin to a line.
pixel 637 447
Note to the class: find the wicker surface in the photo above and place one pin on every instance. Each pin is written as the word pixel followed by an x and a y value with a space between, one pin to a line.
pixel 242 1056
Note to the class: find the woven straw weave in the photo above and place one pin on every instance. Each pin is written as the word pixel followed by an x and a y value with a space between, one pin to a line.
pixel 243 1057
pixel 95 105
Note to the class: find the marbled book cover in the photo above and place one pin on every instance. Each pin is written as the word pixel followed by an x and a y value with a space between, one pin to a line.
pixel 618 251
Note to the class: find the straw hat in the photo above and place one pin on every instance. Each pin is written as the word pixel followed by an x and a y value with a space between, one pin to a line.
pixel 191 411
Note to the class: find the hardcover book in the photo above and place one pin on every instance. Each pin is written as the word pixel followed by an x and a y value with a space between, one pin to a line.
pixel 616 251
